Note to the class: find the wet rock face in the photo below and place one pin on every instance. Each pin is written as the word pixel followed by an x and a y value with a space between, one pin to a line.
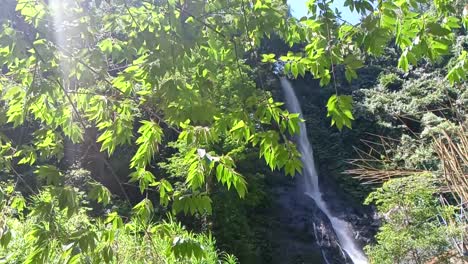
pixel 306 235
pixel 365 227
pixel 363 219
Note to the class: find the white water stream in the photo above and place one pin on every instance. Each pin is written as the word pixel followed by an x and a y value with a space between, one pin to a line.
pixel 342 228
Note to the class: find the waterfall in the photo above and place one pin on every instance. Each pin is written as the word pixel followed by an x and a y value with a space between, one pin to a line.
pixel 342 228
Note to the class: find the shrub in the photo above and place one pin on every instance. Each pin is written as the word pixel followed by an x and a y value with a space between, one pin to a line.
pixel 413 229
pixel 390 81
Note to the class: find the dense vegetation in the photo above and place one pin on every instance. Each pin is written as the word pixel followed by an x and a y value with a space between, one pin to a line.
pixel 145 131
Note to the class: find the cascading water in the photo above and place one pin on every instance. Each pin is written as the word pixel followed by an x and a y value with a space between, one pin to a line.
pixel 341 228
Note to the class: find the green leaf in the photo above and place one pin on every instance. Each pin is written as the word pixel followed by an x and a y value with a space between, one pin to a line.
pixel 240 124
pixel 143 210
pixel 189 20
pixel 339 108
pixel 68 200
pixel 165 188
pixel 115 219
pixel 144 177
pixel 50 173
pixel 268 58
pixel 403 62
pixel 437 29
pixel 294 70
pixel 5 236
pixel 192 203
pixel 18 203
pixel 99 193
pixel 325 78
pixel 227 176
pixel 106 46
pixel 186 248
pixel 150 137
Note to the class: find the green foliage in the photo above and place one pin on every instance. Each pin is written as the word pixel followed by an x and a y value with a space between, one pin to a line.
pixel 148 62
pixel 192 203
pixel 424 107
pixel 458 72
pixel 390 81
pixel 144 178
pixel 150 137
pixel 184 73
pixel 422 31
pixel 340 109
pixel 49 235
pixel 99 193
pixel 413 228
